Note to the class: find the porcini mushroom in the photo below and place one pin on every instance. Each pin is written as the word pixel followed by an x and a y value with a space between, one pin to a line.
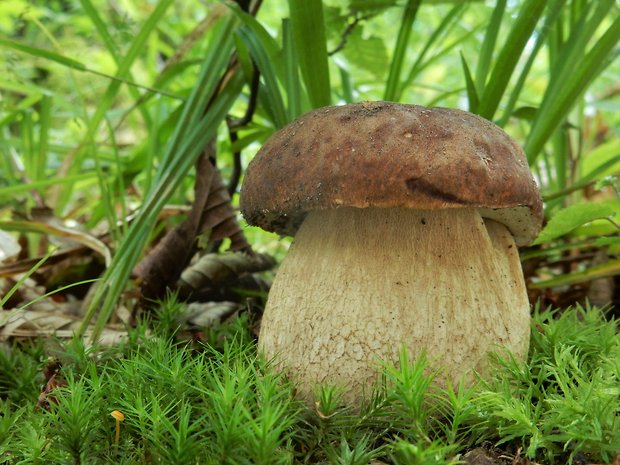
pixel 406 222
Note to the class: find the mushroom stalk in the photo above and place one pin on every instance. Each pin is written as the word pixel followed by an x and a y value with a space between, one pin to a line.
pixel 358 283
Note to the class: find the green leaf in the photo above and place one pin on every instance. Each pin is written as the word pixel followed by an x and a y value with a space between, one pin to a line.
pixel 569 218
pixel 601 161
pixel 370 6
pixel 527 113
pixel 367 53
pixel 308 27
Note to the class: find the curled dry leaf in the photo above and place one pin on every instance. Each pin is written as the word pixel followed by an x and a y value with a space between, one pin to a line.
pixel 33 316
pixel 53 381
pixel 219 216
pixel 65 236
pixel 480 456
pixel 214 270
pixel 60 255
pixel 26 324
pixel 9 247
pixel 209 314
pixel 601 291
pixel 212 214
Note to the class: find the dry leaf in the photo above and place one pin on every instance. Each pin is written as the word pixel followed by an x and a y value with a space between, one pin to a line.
pixel 214 270
pixel 212 214
pixel 9 247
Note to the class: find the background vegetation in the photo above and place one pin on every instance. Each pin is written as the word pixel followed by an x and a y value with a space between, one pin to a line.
pixel 112 114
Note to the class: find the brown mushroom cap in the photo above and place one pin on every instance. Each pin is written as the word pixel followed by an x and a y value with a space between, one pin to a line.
pixel 387 155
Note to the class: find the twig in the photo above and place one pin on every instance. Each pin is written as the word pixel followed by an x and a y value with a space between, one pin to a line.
pixel 347 32
pixel 233 129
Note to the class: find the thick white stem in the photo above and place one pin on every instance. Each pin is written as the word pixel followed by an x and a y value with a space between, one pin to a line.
pixel 359 283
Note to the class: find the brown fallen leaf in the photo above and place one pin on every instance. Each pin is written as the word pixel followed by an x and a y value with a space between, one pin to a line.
pixel 212 214
pixel 53 380
pixel 480 456
pixel 214 270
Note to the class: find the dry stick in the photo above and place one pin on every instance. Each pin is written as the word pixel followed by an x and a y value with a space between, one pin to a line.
pixel 347 32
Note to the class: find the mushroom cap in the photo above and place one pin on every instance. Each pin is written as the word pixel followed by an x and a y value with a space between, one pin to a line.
pixel 388 155
pixel 118 416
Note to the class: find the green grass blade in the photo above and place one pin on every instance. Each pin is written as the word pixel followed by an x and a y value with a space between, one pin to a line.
pixel 568 88
pixel 472 94
pixel 560 153
pixel 272 58
pixel 24 104
pixel 508 57
pixel 554 10
pixel 264 64
pixel 18 284
pixel 194 129
pixel 308 27
pixel 488 45
pixel 604 270
pixel 106 101
pixel 42 53
pixel 267 42
pixel 127 256
pixel 24 88
pixel 291 76
pixel 8 191
pixel 112 48
pixel 27 143
pixel 393 81
pixel 346 85
pixel 440 32
pixel 580 34
pixel 441 96
pixel 200 96
pixel 43 142
pixel 101 27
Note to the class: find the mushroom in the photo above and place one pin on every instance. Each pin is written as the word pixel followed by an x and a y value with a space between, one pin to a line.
pixel 406 222
pixel 119 417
